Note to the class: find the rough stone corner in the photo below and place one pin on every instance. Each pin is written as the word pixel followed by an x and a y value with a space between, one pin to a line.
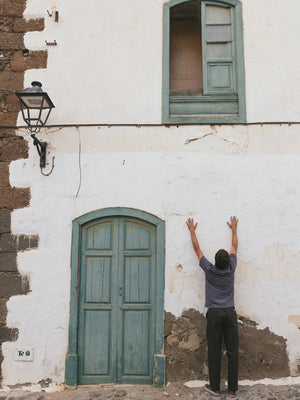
pixel 15 59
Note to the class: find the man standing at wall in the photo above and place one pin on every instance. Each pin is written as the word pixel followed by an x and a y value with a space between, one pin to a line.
pixel 221 315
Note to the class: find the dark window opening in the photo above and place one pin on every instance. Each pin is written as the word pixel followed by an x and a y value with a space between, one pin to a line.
pixel 186 76
pixel 203 62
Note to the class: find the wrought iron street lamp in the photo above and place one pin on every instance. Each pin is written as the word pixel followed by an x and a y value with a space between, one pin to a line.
pixel 36 106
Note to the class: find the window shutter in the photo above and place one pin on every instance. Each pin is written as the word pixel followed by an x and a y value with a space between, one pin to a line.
pixel 218 48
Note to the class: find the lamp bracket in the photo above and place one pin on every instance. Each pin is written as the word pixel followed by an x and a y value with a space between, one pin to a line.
pixel 54 43
pixel 55 15
pixel 41 149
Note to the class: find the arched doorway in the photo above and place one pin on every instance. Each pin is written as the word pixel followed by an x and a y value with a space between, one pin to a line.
pixel 117 296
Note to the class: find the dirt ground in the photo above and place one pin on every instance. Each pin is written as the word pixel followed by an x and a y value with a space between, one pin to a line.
pixel 172 391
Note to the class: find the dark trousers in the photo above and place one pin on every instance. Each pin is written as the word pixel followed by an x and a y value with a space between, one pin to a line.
pixel 222 322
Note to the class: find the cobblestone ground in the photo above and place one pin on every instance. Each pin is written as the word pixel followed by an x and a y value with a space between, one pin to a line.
pixel 173 391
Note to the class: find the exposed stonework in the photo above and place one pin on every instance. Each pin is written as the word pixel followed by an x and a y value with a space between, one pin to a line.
pixel 185 346
pixel 12 149
pixel 22 25
pixel 14 243
pixel 11 282
pixel 28 60
pixel 261 353
pixel 12 8
pixel 13 198
pixel 14 60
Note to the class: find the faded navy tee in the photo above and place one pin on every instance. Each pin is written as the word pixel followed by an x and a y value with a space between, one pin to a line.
pixel 219 283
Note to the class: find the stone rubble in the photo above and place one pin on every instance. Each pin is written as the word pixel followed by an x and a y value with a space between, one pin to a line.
pixel 172 391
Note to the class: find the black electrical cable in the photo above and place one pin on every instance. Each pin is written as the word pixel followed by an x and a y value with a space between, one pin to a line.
pixel 79 161
pixel 49 173
pixel 167 125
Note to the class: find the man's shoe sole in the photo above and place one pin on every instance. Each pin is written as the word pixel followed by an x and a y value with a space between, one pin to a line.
pixel 209 390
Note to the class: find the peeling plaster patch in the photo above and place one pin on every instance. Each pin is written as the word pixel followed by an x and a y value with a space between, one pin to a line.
pixel 198 138
pixel 19 386
pixel 267 291
pixel 269 303
pixel 179 267
pixel 29 387
pixel 271 266
pixel 295 319
pixel 178 282
pixel 251 317
pixel 45 383
pixel 218 137
pixel 247 321
pixel 262 354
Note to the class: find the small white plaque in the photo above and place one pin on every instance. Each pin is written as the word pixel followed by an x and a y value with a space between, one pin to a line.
pixel 24 354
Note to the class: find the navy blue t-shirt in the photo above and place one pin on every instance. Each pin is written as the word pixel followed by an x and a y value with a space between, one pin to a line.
pixel 219 283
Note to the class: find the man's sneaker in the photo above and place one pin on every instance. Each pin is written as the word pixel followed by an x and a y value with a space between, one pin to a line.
pixel 216 393
pixel 232 394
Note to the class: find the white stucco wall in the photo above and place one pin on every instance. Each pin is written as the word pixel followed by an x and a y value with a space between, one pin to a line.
pixel 107 69
pixel 226 173
pixel 107 66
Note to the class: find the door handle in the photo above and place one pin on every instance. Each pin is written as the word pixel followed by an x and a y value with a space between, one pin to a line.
pixel 120 290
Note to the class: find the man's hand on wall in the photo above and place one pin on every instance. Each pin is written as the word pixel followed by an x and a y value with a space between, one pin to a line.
pixel 192 227
pixel 233 226
pixel 233 223
pixel 190 223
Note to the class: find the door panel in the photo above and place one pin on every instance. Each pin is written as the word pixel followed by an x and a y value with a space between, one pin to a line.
pixel 137 236
pixel 98 272
pixel 137 280
pixel 96 357
pixel 98 277
pixel 100 236
pixel 136 343
pixel 116 331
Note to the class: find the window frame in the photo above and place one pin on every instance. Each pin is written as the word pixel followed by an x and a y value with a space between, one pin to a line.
pixel 194 118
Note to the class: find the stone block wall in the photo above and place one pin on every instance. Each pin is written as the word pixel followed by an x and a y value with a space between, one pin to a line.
pixel 14 60
pixel 262 354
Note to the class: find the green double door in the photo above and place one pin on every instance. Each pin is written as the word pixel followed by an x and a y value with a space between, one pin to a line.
pixel 116 303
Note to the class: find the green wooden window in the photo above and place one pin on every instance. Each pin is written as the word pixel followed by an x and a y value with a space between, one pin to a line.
pixel 203 62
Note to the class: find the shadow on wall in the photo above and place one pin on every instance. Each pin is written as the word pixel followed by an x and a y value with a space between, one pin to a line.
pixel 262 354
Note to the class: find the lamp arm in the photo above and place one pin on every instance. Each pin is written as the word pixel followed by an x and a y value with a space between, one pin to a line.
pixel 37 143
pixel 41 149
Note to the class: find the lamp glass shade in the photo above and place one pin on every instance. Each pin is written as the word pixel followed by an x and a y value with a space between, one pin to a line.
pixel 35 100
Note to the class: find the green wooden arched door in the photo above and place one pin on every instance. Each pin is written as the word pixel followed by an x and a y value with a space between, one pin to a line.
pixel 117 291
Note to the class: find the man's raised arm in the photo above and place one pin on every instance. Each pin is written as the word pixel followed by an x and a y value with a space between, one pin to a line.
pixel 192 227
pixel 233 226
